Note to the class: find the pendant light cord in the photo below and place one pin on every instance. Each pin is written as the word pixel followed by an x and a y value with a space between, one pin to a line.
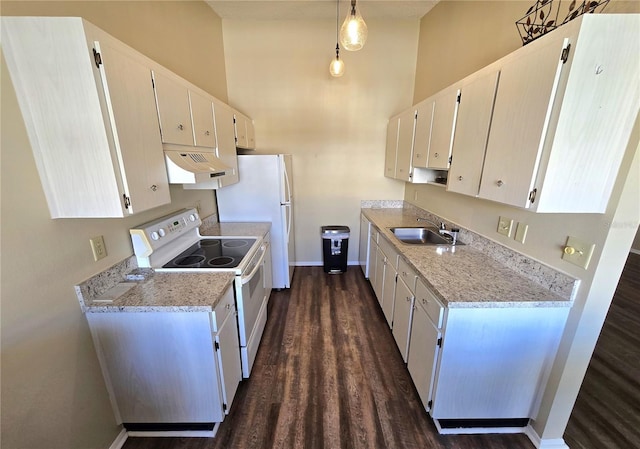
pixel 337 28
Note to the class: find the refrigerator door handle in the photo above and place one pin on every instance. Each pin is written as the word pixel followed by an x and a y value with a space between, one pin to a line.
pixel 287 186
pixel 289 221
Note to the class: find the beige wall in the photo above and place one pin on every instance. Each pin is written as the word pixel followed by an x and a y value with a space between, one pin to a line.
pixel 278 74
pixel 454 42
pixel 53 394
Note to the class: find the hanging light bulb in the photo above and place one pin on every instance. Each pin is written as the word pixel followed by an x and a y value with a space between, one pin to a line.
pixel 336 68
pixel 353 33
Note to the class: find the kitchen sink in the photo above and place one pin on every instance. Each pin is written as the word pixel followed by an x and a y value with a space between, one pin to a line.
pixel 421 236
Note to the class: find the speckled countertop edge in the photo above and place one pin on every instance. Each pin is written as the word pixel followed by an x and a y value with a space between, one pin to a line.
pixel 464 276
pixel 149 291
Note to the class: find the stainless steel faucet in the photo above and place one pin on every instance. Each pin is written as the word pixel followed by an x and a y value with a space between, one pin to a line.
pixel 453 233
pixel 439 226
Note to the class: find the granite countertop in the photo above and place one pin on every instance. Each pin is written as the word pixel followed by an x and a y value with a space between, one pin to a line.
pixel 464 277
pixel 126 288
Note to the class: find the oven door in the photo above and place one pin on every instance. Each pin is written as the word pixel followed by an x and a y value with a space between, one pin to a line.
pixel 252 307
pixel 250 294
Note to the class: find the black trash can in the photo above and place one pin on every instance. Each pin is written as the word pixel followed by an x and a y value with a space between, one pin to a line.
pixel 335 246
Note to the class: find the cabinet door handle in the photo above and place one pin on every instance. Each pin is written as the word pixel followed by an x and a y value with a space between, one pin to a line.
pixel 499 183
pixel 459 178
pixel 180 126
pixel 228 306
pixel 435 155
pixel 206 133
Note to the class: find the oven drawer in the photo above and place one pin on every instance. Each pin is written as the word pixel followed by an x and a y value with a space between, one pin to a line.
pixel 223 309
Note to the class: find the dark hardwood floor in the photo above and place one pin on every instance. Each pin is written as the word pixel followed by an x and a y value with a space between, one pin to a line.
pixel 607 411
pixel 328 375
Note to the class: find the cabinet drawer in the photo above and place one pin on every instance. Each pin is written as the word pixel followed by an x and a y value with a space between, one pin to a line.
pixel 387 249
pixel 429 303
pixel 224 308
pixel 407 274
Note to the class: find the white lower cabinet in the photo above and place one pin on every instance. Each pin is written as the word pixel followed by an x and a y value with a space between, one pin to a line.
pixel 402 317
pixel 169 367
pixel 425 342
pixel 494 361
pixel 363 253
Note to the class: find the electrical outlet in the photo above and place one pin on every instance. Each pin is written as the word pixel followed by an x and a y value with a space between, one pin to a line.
pixel 521 232
pixel 505 225
pixel 578 252
pixel 98 248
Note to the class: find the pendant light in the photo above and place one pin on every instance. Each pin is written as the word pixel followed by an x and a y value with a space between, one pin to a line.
pixel 353 33
pixel 336 68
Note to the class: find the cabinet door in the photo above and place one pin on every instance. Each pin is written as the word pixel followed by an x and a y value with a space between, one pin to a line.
pixel 389 292
pixel 472 130
pixel 371 261
pixel 251 135
pixel 423 354
pixel 229 360
pixel 131 104
pixel 202 115
pixel 406 127
pixel 422 138
pixel 240 122
pixel 391 148
pixel 226 140
pixel 402 313
pixel 378 281
pixel 363 253
pixel 520 117
pixel 173 110
pixel 444 115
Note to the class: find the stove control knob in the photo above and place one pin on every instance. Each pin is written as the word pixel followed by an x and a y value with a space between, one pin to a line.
pixel 154 235
pixel 162 232
pixel 192 217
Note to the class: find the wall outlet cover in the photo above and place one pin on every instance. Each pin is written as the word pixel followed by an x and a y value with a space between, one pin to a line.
pixel 521 232
pixel 98 248
pixel 505 226
pixel 578 252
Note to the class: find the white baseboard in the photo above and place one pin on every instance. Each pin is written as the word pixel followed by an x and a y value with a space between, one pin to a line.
pixel 176 433
pixel 549 443
pixel 120 440
pixel 476 430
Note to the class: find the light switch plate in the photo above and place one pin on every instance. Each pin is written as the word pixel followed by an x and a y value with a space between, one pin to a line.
pixel 521 232
pixel 578 252
pixel 505 226
pixel 98 248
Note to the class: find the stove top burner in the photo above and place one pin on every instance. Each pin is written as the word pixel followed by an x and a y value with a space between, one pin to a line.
pixel 223 261
pixel 189 260
pixel 212 253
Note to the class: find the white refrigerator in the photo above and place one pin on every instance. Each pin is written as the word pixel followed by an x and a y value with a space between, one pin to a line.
pixel 265 193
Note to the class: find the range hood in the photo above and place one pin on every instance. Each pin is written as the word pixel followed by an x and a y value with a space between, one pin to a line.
pixel 192 165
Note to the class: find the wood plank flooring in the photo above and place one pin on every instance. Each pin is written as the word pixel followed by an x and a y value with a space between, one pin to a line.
pixel 607 411
pixel 328 375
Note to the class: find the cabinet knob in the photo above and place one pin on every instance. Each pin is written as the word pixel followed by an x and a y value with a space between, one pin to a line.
pixel 206 133
pixel 459 178
pixel 569 250
pixel 180 126
pixel 499 183
pixel 418 155
pixel 435 155
pixel 228 306
pixel 154 187
pixel 408 299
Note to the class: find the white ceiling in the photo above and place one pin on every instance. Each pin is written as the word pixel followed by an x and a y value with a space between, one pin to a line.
pixel 318 9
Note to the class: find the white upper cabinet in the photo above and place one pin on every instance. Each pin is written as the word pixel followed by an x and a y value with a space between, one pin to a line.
pixel 204 133
pixel 564 112
pixel 226 138
pixel 422 139
pixel 475 107
pixel 174 110
pixel 391 148
pixel 443 126
pixel 406 127
pixel 89 109
pixel 245 133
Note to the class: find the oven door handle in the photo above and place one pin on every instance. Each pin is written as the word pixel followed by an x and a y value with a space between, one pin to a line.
pixel 249 276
